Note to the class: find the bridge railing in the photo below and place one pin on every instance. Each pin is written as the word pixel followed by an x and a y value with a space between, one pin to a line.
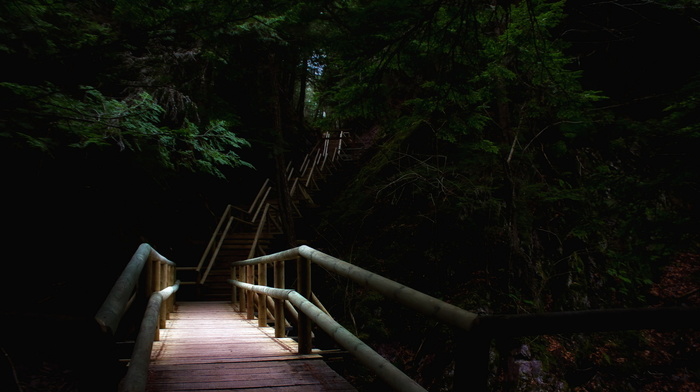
pixel 158 273
pixel 475 333
pixel 310 312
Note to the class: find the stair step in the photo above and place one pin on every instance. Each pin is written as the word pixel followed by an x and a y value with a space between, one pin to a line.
pixel 238 247
pixel 250 235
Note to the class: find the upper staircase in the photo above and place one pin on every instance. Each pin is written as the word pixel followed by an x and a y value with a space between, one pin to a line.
pixel 244 232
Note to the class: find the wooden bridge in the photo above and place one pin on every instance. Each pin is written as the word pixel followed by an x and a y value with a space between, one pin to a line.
pixel 206 342
pixel 209 346
pixel 243 334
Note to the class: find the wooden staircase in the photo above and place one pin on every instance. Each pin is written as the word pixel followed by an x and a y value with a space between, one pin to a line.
pixel 245 233
pixel 236 246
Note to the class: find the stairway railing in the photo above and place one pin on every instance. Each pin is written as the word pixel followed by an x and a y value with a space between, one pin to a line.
pixel 475 332
pixel 160 284
pixel 314 165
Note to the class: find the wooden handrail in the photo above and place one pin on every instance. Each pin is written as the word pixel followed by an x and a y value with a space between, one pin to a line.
pixel 212 251
pixel 226 213
pixel 261 204
pixel 304 166
pixel 312 311
pixel 120 296
pixel 420 302
pixel 216 250
pixel 136 376
pixel 370 358
pixel 478 330
pixel 260 192
pixel 161 284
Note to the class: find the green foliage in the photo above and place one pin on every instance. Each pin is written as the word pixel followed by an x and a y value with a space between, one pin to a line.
pixel 152 47
pixel 569 205
pixel 91 119
pixel 41 28
pixel 203 151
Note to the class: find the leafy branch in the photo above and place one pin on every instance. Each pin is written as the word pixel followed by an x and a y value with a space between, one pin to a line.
pixel 133 123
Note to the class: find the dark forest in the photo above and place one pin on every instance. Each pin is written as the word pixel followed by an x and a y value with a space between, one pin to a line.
pixel 517 157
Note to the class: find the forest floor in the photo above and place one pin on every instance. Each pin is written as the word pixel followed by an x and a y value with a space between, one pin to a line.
pixel 652 361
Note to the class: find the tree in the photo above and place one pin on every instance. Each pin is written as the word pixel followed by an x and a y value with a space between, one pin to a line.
pixel 519 167
pixel 52 107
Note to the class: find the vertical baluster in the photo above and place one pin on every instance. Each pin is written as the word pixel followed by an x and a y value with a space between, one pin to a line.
pixel 155 282
pixel 164 278
pixel 304 288
pixel 234 290
pixel 241 293
pixel 279 303
pixel 249 305
pixel 171 282
pixel 262 300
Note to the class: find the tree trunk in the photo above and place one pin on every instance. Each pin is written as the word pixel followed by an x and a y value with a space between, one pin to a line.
pixel 509 135
pixel 285 202
pixel 301 100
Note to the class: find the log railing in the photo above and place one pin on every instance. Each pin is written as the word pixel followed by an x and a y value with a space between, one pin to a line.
pixel 160 285
pixel 475 333
pixel 243 278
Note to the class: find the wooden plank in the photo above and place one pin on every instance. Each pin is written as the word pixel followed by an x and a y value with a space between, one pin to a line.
pixel 305 376
pixel 207 346
pixel 307 370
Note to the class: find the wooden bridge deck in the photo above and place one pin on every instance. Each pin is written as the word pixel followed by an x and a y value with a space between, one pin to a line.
pixel 207 346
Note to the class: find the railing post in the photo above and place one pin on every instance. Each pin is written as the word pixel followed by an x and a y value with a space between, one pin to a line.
pixel 262 300
pixel 150 276
pixel 279 303
pixel 164 279
pixel 155 280
pixel 304 288
pixel 156 265
pixel 240 275
pixel 249 305
pixel 472 360
pixel 170 302
pixel 234 292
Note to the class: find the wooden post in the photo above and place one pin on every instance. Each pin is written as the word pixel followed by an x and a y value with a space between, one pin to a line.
pixel 155 282
pixel 241 293
pixel 249 305
pixel 150 273
pixel 472 360
pixel 172 272
pixel 150 277
pixel 164 278
pixel 262 301
pixel 280 331
pixel 304 288
pixel 234 292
